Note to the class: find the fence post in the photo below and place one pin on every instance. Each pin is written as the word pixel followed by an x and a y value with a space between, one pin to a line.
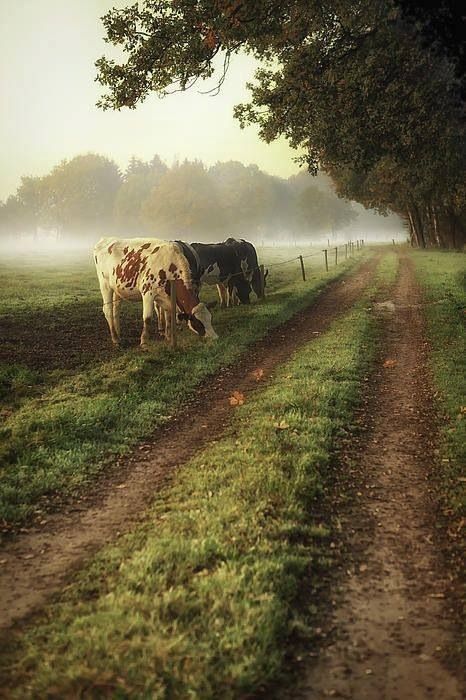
pixel 393 241
pixel 346 251
pixel 262 279
pixel 302 267
pixel 357 244
pixel 326 259
pixel 173 314
pixel 336 255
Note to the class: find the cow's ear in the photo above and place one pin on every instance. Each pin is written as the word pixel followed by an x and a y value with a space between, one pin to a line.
pixel 266 273
pixel 211 304
pixel 182 316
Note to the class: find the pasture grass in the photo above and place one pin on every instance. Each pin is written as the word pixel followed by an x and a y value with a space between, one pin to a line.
pixel 65 420
pixel 442 276
pixel 201 600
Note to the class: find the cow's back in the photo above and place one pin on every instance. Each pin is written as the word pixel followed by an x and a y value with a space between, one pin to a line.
pixel 132 265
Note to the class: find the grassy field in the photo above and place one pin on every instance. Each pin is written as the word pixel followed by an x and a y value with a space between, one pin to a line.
pixel 443 279
pixel 200 601
pixel 69 402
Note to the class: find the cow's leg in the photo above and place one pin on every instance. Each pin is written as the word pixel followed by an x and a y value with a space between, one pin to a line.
pixel 222 293
pixel 231 295
pixel 107 308
pixel 147 314
pixel 168 323
pixel 116 315
pixel 160 318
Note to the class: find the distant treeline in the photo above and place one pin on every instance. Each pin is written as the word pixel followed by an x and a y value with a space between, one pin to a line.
pixel 89 196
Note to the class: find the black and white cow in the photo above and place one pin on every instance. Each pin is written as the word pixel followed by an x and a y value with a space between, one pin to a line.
pixel 219 264
pixel 249 263
pixel 142 268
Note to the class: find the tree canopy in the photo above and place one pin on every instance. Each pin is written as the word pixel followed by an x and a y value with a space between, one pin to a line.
pixel 371 91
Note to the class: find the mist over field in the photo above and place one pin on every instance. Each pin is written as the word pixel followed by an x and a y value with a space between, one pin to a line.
pixel 88 197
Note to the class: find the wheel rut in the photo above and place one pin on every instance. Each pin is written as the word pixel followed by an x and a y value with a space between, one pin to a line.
pixel 37 563
pixel 390 624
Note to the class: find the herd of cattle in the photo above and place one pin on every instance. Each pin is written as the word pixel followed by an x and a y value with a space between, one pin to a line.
pixel 136 268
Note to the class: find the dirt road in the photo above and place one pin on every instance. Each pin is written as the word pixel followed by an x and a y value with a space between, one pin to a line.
pixel 391 625
pixel 38 563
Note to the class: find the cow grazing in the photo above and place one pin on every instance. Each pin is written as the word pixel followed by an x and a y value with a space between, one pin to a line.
pixel 249 263
pixel 219 264
pixel 142 268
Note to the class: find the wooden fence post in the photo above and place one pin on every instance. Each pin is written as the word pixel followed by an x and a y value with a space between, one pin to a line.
pixel 336 255
pixel 173 314
pixel 393 241
pixel 302 268
pixel 262 279
pixel 346 251
pixel 357 244
pixel 326 259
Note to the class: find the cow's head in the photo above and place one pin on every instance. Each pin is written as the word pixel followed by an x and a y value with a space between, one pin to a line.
pixel 200 321
pixel 243 288
pixel 256 281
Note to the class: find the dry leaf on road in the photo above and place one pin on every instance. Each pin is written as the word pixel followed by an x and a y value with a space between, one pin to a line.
pixel 389 363
pixel 236 399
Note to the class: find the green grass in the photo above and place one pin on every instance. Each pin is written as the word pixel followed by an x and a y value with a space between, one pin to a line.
pixel 201 601
pixel 443 279
pixel 63 420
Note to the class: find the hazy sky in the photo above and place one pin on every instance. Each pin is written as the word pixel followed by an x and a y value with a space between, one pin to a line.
pixel 48 49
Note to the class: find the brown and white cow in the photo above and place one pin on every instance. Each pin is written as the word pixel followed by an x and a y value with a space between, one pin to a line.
pixel 142 268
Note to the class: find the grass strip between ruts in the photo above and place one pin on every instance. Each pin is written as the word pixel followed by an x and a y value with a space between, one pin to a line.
pixel 199 601
pixel 58 442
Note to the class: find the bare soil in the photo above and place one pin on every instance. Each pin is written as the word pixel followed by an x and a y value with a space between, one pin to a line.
pixel 77 339
pixel 36 563
pixel 391 625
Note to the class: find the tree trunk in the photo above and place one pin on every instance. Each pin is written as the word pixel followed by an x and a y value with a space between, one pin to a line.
pixel 412 229
pixel 417 226
pixel 435 226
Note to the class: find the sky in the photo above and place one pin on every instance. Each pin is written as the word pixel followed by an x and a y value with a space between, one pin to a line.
pixel 48 92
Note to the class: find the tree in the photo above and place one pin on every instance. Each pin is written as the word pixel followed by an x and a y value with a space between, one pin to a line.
pixel 79 195
pixel 354 84
pixel 12 220
pixel 317 206
pixel 139 180
pixel 184 203
pixel 30 200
